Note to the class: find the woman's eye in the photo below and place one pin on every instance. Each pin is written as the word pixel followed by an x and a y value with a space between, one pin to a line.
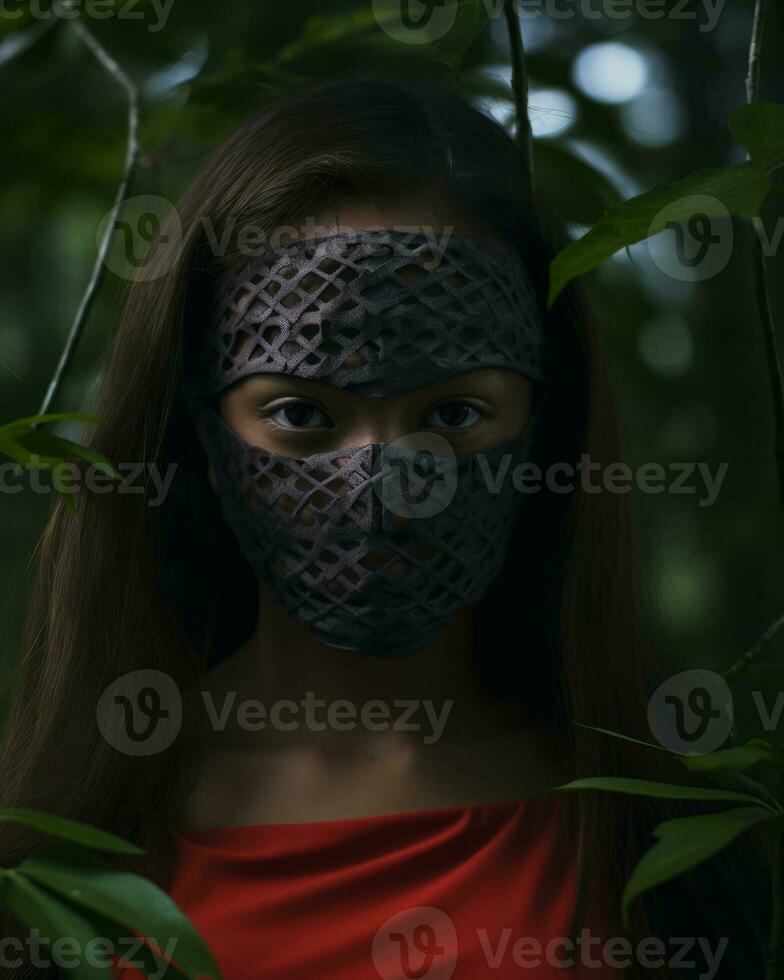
pixel 300 415
pixel 452 415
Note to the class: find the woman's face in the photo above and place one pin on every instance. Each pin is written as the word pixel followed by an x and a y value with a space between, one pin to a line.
pixel 295 417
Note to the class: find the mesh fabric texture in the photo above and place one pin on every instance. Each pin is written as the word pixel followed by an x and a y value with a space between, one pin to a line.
pixel 368 547
pixel 374 312
pixel 373 547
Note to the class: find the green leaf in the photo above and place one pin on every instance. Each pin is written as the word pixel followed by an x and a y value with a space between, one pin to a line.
pixel 54 919
pixel 134 952
pixel 149 961
pixel 472 17
pixel 323 30
pixel 760 128
pixel 125 898
pixel 43 443
pixel 739 189
pixel 645 787
pixel 776 747
pixel 683 844
pixel 737 759
pixel 34 448
pixel 31 420
pixel 626 738
pixel 72 831
pixel 24 457
pixel 40 909
pixel 368 25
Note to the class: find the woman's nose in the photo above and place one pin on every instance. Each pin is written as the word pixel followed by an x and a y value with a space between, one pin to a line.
pixel 381 425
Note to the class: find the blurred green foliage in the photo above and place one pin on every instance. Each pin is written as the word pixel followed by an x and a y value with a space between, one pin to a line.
pixel 686 358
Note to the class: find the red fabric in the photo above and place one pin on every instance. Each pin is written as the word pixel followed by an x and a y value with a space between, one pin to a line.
pixel 428 894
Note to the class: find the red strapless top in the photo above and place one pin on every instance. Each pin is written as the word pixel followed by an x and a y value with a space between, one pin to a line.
pixel 467 892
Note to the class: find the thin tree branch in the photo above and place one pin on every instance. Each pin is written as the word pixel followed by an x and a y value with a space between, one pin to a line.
pixel 775 377
pixel 755 51
pixel 751 655
pixel 99 268
pixel 759 263
pixel 520 90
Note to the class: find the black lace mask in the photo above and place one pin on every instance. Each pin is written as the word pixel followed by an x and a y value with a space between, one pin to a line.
pixel 373 547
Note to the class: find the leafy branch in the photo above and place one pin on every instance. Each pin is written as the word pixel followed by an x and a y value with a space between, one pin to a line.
pixel 683 843
pixel 71 890
pixel 12 50
pixel 740 189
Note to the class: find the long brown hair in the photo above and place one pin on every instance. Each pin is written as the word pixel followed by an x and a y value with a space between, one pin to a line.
pixel 124 586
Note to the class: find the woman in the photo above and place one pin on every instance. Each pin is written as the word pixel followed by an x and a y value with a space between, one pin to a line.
pixel 261 832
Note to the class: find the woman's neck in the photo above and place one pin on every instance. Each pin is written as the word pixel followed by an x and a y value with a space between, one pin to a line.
pixel 283 661
pixel 333 733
